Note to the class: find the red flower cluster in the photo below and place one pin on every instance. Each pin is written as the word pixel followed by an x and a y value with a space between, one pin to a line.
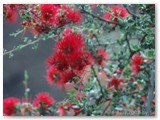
pixel 115 82
pixel 116 12
pixel 136 61
pixel 46 16
pixel 10 12
pixel 43 100
pixel 9 105
pixel 69 60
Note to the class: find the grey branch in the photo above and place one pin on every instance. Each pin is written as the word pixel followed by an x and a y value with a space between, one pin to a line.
pixel 150 95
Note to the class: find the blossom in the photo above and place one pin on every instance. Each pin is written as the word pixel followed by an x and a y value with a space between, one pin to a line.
pixel 101 56
pixel 56 76
pixel 135 68
pixel 137 59
pixel 61 110
pixel 69 60
pixel 67 31
pixel 115 12
pixel 93 6
pixel 74 16
pixel 59 60
pixel 115 82
pixel 53 75
pixel 9 105
pixel 43 99
pixel 10 13
pixel 39 29
pixel 48 12
pixel 79 60
pixel 70 44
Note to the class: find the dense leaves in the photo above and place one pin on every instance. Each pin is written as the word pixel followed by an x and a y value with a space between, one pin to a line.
pixel 104 58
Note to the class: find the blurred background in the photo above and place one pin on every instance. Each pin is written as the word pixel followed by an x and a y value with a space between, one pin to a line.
pixel 27 59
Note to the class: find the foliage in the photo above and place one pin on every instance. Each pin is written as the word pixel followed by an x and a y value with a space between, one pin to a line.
pixel 105 53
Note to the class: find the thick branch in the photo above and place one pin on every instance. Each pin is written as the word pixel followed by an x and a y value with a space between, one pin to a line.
pixel 150 95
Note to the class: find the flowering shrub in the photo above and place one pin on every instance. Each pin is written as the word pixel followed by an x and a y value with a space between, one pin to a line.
pixel 102 75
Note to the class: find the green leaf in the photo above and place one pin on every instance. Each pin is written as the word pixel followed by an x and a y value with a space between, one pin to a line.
pixel 135 47
pixel 150 53
pixel 11 55
pixel 71 92
pixel 149 39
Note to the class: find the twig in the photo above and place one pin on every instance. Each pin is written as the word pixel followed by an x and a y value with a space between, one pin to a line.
pixel 100 18
pixel 106 108
pixel 23 46
pixel 97 80
pixel 131 13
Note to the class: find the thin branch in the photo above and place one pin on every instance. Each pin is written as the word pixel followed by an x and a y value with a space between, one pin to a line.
pixel 106 108
pixel 23 46
pixel 131 13
pixel 100 18
pixel 97 80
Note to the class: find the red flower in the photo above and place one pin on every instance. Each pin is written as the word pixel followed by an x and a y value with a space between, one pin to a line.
pixel 68 75
pixel 9 105
pixel 74 16
pixel 135 68
pixel 10 14
pixel 115 82
pixel 93 6
pixel 59 60
pixel 70 44
pixel 48 12
pixel 143 98
pixel 59 77
pixel 61 110
pixel 43 99
pixel 115 12
pixel 69 60
pixel 53 75
pixel 79 60
pixel 67 31
pixel 101 56
pixel 137 59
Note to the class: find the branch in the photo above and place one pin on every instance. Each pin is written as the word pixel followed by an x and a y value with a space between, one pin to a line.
pixel 131 13
pixel 106 108
pixel 100 18
pixel 97 80
pixel 150 93
pixel 23 46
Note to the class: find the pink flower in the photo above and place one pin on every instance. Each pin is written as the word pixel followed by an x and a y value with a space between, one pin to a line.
pixel 9 105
